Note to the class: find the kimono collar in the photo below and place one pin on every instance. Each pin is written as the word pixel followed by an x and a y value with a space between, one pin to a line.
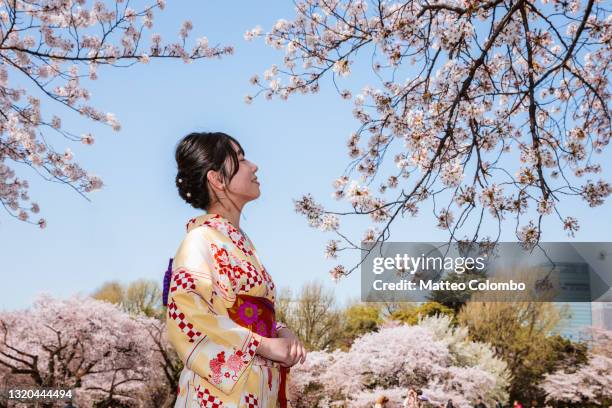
pixel 212 219
pixel 206 218
pixel 223 225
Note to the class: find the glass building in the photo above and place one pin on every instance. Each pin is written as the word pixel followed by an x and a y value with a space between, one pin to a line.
pixel 575 288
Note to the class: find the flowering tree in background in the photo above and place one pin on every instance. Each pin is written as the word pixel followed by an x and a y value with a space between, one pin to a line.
pixel 491 108
pixel 90 346
pixel 432 356
pixel 167 366
pixel 588 384
pixel 52 46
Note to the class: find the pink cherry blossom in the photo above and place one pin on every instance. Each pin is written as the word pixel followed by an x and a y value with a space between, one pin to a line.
pixel 55 45
pixel 431 355
pixel 486 105
pixel 84 344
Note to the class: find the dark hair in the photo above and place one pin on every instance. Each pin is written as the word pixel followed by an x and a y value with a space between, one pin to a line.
pixel 198 153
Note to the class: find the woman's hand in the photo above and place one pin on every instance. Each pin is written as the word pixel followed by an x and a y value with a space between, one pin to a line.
pixel 286 349
pixel 297 352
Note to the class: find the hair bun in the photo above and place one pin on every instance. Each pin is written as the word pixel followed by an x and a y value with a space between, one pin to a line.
pixel 198 153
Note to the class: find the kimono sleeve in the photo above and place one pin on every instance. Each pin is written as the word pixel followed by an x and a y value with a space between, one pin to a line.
pixel 201 290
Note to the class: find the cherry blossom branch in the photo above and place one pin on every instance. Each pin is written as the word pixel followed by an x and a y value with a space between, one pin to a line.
pixel 49 45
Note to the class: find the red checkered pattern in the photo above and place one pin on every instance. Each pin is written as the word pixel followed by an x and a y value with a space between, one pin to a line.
pixel 183 280
pixel 207 400
pixel 240 243
pixel 232 233
pixel 253 278
pixel 252 347
pixel 239 240
pixel 266 275
pixel 267 278
pixel 183 324
pixel 250 401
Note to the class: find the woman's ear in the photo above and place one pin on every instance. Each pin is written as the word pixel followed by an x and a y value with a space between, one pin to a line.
pixel 214 180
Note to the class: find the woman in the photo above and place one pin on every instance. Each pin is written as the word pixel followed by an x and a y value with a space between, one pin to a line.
pixel 220 297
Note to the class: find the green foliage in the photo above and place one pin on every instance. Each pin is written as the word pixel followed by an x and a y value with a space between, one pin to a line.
pixel 362 318
pixel 566 354
pixel 455 299
pixel 112 292
pixel 138 297
pixel 411 314
pixel 523 335
pixel 357 320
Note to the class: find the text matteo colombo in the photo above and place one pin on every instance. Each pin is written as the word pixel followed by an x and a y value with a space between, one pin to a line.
pixel 474 284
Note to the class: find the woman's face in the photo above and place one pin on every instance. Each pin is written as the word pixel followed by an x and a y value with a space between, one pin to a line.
pixel 244 186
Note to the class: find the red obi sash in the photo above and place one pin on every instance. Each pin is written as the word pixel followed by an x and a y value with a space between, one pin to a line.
pixel 257 314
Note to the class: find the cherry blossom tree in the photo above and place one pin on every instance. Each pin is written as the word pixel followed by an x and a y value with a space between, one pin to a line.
pixel 54 46
pixel 167 365
pixel 485 110
pixel 432 355
pixel 105 355
pixel 588 384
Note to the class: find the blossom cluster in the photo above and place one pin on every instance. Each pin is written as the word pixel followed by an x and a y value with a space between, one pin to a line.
pixel 90 346
pixel 497 109
pixel 58 46
pixel 589 383
pixel 432 356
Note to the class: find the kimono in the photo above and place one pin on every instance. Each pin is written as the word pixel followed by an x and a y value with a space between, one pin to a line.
pixel 213 278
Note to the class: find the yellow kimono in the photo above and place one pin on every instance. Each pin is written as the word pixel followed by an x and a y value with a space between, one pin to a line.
pixel 214 263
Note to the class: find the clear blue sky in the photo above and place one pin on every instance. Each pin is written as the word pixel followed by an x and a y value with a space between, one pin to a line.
pixel 135 223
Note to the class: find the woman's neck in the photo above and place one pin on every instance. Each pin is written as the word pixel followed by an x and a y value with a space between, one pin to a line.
pixel 230 214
